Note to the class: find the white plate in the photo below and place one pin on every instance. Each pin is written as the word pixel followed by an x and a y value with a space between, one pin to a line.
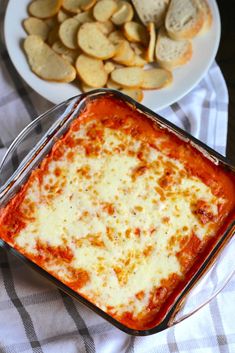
pixel 185 78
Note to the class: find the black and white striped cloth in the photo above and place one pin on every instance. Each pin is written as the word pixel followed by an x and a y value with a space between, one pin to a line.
pixel 37 317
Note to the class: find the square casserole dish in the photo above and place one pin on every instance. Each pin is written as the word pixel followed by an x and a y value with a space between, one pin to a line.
pixel 117 207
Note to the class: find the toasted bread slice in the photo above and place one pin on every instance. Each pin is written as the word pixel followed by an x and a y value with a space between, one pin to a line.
pixel 91 71
pixel 87 4
pixel 131 77
pixel 135 32
pixel 68 33
pixel 156 78
pixel 68 54
pixel 184 19
pixel 44 8
pixel 116 37
pixel 151 11
pixel 105 27
pixel 113 85
pixel 93 42
pixel 45 63
pixel 123 14
pixel 85 88
pixel 109 67
pixel 34 25
pixel 83 17
pixel 62 16
pixel 172 53
pixel 138 49
pixel 136 94
pixel 152 42
pixel 124 54
pixel 207 16
pixel 104 9
pixel 77 6
pixel 138 61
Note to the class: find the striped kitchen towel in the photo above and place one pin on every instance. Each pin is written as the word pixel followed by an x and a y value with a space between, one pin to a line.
pixel 37 317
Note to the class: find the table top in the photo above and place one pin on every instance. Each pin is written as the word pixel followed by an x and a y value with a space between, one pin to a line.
pixel 225 59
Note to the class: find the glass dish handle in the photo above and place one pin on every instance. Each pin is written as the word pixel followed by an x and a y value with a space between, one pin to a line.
pixel 25 144
pixel 210 284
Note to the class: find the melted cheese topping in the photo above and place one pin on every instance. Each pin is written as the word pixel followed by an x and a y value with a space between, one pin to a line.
pixel 120 211
pixel 117 216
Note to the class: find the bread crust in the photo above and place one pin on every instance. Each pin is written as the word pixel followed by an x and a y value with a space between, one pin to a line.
pixel 178 61
pixel 185 32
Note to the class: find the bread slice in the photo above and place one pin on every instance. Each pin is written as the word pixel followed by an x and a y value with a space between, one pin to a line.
pixel 136 94
pixel 62 16
pixel 124 54
pixel 172 53
pixel 109 67
pixel 68 33
pixel 45 63
pixel 156 78
pixel 94 43
pixel 91 71
pixel 123 14
pixel 83 17
pixel 207 16
pixel 152 42
pixel 106 27
pixel 151 11
pixel 76 6
pixel 68 54
pixel 131 77
pixel 113 85
pixel 44 8
pixel 184 19
pixel 34 25
pixel 135 32
pixel 104 9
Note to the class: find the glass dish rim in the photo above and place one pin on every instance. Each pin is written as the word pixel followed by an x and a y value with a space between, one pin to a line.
pixel 77 103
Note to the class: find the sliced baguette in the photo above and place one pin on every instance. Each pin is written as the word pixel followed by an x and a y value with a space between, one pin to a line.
pixel 85 88
pixel 131 77
pixel 116 38
pixel 109 67
pixel 184 19
pixel 124 54
pixel 68 33
pixel 135 32
pixel 123 14
pixel 207 16
pixel 34 25
pixel 44 8
pixel 172 53
pixel 62 16
pixel 68 54
pixel 136 94
pixel 104 9
pixel 83 17
pixel 156 78
pixel 91 71
pixel 93 42
pixel 45 63
pixel 152 42
pixel 151 11
pixel 76 6
pixel 106 27
pixel 113 85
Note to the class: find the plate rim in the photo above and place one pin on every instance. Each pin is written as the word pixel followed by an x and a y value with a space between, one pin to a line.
pixel 158 107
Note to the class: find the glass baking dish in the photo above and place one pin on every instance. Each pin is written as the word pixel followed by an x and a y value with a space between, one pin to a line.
pixel 37 139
